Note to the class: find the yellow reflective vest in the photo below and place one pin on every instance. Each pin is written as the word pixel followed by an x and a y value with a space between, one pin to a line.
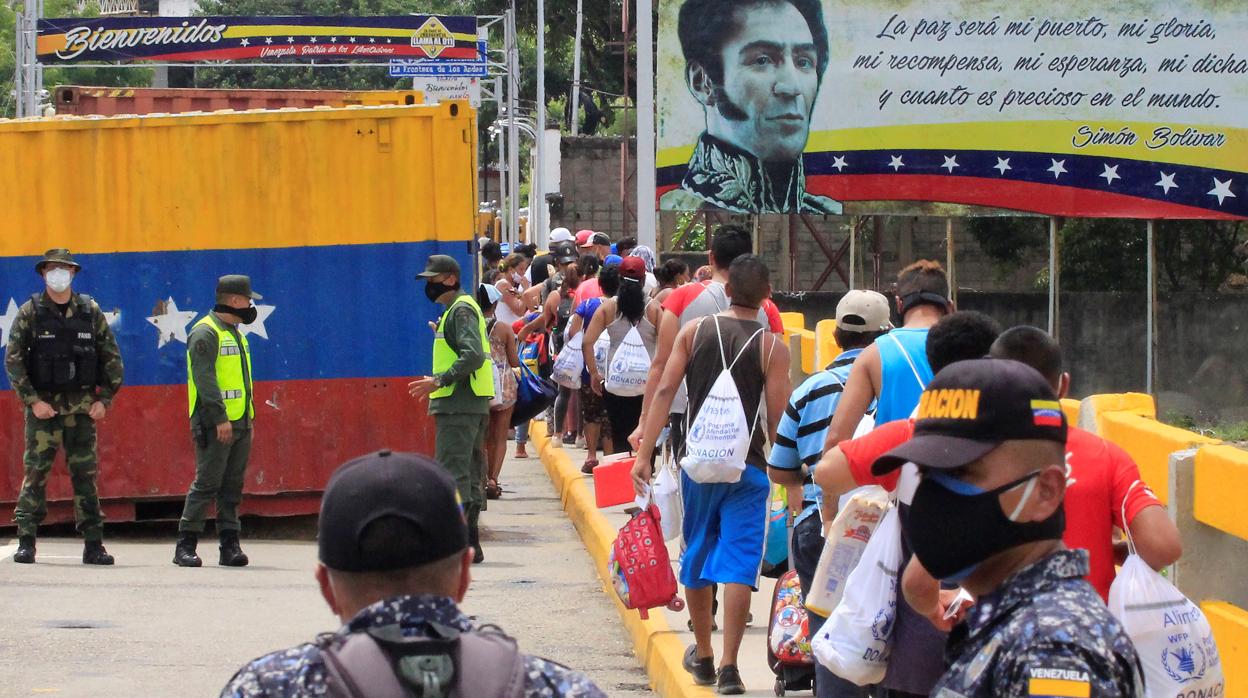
pixel 231 378
pixel 482 380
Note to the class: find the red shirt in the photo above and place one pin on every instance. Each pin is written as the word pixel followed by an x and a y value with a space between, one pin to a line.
pixel 587 289
pixel 679 300
pixel 1099 476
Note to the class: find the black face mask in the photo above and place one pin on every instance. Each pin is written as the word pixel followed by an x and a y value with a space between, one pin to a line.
pixel 434 291
pixel 954 526
pixel 246 315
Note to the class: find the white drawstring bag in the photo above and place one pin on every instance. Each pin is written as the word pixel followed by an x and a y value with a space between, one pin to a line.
pixel 569 363
pixel 630 367
pixel 718 440
pixel 857 640
pixel 1170 633
pixel 666 493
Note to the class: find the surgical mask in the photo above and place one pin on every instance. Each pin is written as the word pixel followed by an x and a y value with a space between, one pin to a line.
pixel 58 279
pixel 434 291
pixel 953 526
pixel 245 315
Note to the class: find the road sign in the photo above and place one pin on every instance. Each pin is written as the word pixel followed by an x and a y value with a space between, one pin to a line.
pixel 434 69
pixel 438 89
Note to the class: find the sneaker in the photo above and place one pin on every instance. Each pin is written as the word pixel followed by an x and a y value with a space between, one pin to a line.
pixel 728 683
pixel 703 670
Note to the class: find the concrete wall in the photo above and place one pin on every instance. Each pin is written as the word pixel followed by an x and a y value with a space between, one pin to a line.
pixel 591 186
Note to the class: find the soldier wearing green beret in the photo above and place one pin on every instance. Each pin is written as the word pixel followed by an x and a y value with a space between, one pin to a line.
pixel 65 367
pixel 222 409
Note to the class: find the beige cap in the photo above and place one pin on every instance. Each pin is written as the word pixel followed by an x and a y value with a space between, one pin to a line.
pixel 863 311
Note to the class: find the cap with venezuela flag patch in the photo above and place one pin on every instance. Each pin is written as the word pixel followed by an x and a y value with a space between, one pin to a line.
pixel 971 407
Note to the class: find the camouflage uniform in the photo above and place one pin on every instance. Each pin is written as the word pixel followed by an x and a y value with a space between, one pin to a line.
pixel 300 671
pixel 1044 632
pixel 71 428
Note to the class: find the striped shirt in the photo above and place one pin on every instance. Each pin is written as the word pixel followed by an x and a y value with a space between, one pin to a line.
pixel 799 438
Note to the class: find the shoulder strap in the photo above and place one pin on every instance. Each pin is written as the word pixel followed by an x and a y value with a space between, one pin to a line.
pixel 906 354
pixel 360 668
pixel 490 665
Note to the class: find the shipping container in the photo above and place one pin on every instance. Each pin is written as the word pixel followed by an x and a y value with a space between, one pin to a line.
pixel 332 212
pixel 111 101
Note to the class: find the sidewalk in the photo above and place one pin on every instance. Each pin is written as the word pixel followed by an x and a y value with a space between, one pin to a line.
pixel 661 641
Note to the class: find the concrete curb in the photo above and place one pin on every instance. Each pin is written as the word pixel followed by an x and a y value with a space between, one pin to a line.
pixel 656 645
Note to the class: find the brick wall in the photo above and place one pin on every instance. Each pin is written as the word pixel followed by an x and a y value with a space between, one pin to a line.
pixel 590 184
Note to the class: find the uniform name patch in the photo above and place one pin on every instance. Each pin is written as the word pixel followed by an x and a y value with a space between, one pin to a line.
pixel 949 404
pixel 1059 683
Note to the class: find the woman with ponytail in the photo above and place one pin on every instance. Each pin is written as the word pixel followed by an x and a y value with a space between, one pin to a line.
pixel 630 354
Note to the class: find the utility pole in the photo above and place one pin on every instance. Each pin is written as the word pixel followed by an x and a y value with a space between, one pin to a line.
pixel 647 228
pixel 576 71
pixel 29 76
pixel 537 216
pixel 513 129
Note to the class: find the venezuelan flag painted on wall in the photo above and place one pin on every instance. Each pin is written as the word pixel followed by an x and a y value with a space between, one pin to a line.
pixel 331 213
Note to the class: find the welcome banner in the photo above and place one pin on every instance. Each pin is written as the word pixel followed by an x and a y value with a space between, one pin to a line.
pixel 235 38
pixel 1075 108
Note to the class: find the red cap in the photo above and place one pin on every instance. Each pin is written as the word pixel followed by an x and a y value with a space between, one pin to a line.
pixel 633 268
pixel 582 237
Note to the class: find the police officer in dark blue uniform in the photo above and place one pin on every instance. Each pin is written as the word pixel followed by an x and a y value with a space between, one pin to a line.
pixel 987 514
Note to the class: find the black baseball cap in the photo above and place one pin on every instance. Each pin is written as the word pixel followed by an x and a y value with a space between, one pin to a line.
pixel 384 484
pixel 439 264
pixel 971 407
pixel 238 285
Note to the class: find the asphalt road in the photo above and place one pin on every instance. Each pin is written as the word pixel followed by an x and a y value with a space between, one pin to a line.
pixel 148 628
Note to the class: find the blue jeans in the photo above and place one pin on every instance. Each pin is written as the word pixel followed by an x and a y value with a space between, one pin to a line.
pixel 522 433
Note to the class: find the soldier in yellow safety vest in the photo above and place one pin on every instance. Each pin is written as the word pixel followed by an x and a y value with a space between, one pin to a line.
pixel 460 388
pixel 219 389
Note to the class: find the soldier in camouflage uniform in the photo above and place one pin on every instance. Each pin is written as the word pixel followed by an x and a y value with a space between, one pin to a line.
pixel 65 367
pixel 987 514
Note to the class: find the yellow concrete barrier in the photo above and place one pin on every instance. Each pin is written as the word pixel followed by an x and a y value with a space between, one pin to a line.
pixel 1149 443
pixel 1071 408
pixel 793 321
pixel 808 351
pixel 825 335
pixel 658 648
pixel 1221 480
pixel 1230 630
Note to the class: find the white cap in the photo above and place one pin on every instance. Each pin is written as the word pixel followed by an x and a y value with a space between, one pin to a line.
pixel 863 311
pixel 561 235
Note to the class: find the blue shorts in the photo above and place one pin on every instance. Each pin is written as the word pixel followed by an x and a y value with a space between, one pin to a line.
pixel 725 530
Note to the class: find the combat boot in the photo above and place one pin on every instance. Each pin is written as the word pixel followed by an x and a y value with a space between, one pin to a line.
pixel 232 554
pixel 93 553
pixel 25 550
pixel 184 555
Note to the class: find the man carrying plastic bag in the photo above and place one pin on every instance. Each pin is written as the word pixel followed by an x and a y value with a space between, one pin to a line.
pixel 987 514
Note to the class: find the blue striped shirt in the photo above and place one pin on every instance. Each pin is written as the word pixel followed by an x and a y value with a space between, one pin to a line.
pixel 799 438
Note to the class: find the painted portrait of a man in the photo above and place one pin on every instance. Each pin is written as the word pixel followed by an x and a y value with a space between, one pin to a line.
pixel 756 67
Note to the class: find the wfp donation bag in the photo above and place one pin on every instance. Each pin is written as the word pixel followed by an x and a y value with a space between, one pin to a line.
pixel 857 640
pixel 569 363
pixel 602 347
pixel 852 529
pixel 717 441
pixel 1170 633
pixel 630 367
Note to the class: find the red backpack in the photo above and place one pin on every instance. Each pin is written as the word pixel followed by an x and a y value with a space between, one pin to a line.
pixel 641 570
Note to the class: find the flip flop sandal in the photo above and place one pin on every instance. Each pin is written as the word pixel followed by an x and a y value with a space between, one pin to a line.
pixel 493 490
pixel 589 465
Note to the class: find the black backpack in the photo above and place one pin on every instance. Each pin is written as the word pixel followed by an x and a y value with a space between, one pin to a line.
pixel 382 663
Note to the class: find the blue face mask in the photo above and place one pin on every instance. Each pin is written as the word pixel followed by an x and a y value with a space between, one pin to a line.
pixel 954 526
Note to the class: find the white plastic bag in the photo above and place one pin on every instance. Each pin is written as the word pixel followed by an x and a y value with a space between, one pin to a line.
pixel 718 439
pixel 857 640
pixel 630 367
pixel 852 529
pixel 1170 633
pixel 667 499
pixel 569 363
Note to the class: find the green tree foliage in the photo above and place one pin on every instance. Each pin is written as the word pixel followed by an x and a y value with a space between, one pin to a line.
pixel 1110 254
pixel 56 76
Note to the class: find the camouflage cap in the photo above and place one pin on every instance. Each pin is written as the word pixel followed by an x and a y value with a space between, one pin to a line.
pixel 238 285
pixel 437 265
pixel 59 255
